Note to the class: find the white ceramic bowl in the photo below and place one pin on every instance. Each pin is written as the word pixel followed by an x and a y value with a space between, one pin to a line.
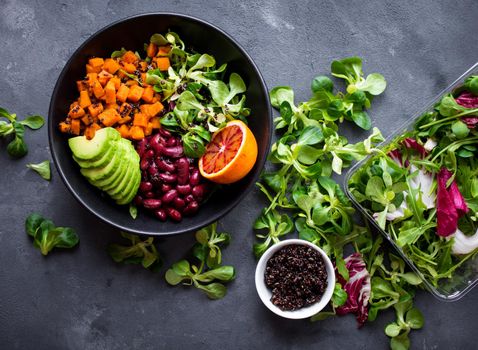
pixel 265 293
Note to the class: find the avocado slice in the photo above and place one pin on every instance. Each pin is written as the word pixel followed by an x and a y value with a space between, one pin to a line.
pixel 132 189
pixel 103 161
pixel 124 168
pixel 117 175
pixel 132 166
pixel 95 148
pixel 95 175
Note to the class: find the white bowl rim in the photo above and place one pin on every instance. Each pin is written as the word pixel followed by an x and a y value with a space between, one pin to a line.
pixel 265 293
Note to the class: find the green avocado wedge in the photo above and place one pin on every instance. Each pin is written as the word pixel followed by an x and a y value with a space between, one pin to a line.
pixel 95 148
pixel 118 174
pixel 130 192
pixel 132 167
pixel 109 163
pixel 101 175
pixel 103 161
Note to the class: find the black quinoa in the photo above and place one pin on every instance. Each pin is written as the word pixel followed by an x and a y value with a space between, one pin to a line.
pixel 297 276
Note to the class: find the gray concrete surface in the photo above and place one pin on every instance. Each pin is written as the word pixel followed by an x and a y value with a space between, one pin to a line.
pixel 83 300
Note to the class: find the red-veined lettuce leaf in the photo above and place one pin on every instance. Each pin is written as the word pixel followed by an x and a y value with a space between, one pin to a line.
pixel 450 204
pixel 358 288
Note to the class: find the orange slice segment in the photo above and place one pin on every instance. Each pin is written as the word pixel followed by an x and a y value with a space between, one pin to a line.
pixel 230 155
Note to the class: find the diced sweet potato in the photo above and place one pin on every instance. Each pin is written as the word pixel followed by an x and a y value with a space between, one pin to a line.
pixel 116 81
pixel 122 93
pixel 151 50
pixel 163 50
pixel 64 127
pixel 125 109
pixel 76 112
pixel 110 92
pixel 112 106
pixel 109 117
pixel 140 119
pixel 104 77
pixel 84 99
pixel 148 130
pixel 95 109
pixel 162 63
pixel 129 57
pixel 75 127
pixel 123 130
pixel 98 90
pixel 135 93
pixel 156 122
pixel 91 69
pixel 128 67
pixel 124 120
pixel 136 133
pixel 87 120
pixel 148 94
pixel 111 65
pixel 96 62
pixel 155 108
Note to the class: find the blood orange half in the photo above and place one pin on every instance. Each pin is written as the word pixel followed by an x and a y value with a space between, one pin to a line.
pixel 230 155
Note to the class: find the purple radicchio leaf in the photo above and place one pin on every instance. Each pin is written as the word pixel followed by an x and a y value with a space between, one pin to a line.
pixel 413 144
pixel 358 288
pixel 471 122
pixel 450 204
pixel 467 100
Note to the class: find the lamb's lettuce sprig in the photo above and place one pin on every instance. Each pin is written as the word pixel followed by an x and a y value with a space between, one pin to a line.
pixel 202 97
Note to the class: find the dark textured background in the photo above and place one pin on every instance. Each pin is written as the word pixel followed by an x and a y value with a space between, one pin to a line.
pixel 82 300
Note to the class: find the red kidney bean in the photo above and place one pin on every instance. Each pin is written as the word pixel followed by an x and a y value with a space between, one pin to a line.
pixel 152 203
pixel 168 178
pixel 164 165
pixel 148 154
pixel 144 164
pixel 189 198
pixel 194 177
pixel 153 170
pixel 149 194
pixel 198 192
pixel 172 141
pixel 158 148
pixel 145 186
pixel 161 214
pixel 155 180
pixel 142 147
pixel 164 132
pixel 179 203
pixel 173 152
pixel 169 196
pixel 184 189
pixel 173 214
pixel 138 200
pixel 182 165
pixel 191 208
pixel 165 188
pixel 155 141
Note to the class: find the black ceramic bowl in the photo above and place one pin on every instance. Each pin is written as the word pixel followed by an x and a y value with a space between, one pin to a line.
pixel 131 33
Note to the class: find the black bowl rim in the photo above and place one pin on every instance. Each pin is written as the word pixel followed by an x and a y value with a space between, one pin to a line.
pixel 213 218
